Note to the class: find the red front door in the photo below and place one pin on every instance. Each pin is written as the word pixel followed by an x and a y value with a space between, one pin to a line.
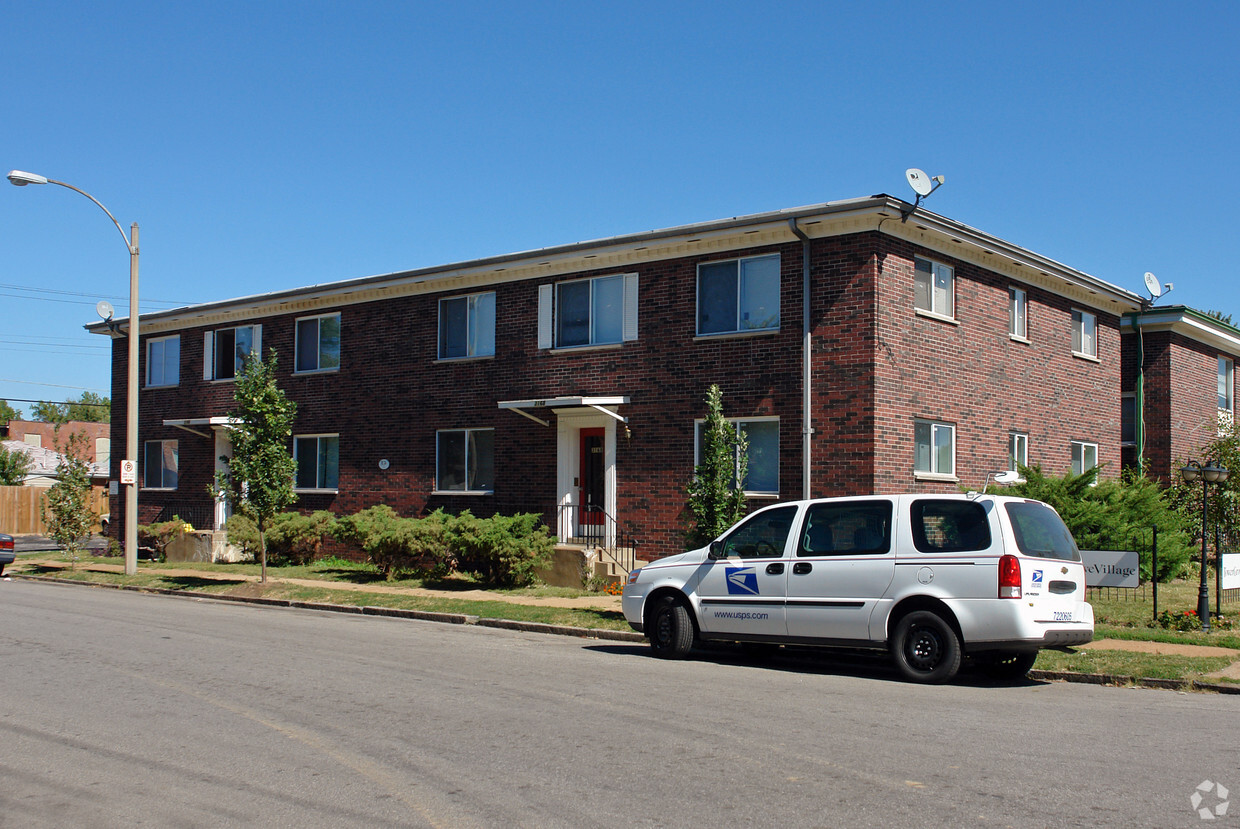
pixel 591 481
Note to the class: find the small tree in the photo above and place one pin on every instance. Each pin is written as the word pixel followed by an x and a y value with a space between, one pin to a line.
pixel 259 481
pixel 716 493
pixel 7 412
pixel 69 517
pixel 1224 497
pixel 14 466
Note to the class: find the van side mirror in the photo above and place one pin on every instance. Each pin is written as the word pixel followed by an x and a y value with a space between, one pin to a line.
pixel 716 551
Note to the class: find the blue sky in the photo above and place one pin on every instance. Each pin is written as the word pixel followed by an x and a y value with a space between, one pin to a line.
pixel 263 146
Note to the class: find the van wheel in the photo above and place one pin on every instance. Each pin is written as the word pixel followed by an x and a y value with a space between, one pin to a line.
pixel 925 648
pixel 671 629
pixel 1009 664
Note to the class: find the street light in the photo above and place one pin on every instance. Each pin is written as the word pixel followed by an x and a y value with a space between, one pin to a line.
pixel 1208 474
pixel 21 179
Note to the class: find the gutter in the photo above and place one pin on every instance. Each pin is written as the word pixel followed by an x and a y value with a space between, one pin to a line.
pixel 807 425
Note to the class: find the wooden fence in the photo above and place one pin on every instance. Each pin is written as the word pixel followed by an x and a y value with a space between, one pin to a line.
pixel 22 509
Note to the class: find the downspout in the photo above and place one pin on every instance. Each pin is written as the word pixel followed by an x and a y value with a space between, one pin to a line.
pixel 1138 414
pixel 807 426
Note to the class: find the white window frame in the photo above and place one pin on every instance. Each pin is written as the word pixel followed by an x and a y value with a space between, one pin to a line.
pixel 479 342
pixel 164 483
pixel 1084 334
pixel 548 313
pixel 935 270
pixel 319 367
pixel 1018 314
pixel 936 429
pixel 739 327
pixel 1080 450
pixel 1018 450
pixel 1226 385
pixel 439 490
pixel 211 339
pixel 163 362
pixel 320 484
pixel 741 423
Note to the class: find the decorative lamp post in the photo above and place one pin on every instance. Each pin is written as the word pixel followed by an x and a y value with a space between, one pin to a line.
pixel 21 179
pixel 1208 474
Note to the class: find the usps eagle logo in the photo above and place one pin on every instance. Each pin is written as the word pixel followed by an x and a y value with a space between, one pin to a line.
pixel 742 581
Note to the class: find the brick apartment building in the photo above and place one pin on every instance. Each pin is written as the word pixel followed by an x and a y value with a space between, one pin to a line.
pixel 860 348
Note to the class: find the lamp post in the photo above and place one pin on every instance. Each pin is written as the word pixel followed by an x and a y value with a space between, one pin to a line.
pixel 1208 474
pixel 21 179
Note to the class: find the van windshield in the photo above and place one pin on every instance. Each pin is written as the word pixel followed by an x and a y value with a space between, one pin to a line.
pixel 1040 532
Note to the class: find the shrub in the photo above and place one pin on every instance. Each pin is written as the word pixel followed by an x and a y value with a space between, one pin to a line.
pixel 243 533
pixel 297 538
pixel 160 534
pixel 395 544
pixel 505 550
pixel 1115 514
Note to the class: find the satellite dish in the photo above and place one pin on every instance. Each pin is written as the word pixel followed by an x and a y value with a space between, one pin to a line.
pixel 1151 285
pixel 919 181
pixel 104 310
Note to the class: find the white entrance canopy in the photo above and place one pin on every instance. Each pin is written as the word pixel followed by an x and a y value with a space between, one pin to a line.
pixel 188 424
pixel 522 407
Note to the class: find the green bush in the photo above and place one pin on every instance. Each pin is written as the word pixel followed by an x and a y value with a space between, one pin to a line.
pixel 394 544
pixel 298 539
pixel 1112 514
pixel 505 550
pixel 160 534
pixel 243 533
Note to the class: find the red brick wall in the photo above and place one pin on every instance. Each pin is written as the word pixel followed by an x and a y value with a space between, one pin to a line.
pixel 50 434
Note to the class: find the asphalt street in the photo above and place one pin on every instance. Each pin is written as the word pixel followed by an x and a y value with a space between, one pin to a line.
pixel 123 709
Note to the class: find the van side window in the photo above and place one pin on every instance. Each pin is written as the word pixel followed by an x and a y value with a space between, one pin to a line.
pixel 851 528
pixel 763 535
pixel 950 526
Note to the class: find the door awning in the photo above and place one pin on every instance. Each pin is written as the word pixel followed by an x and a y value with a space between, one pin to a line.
pixel 189 424
pixel 527 407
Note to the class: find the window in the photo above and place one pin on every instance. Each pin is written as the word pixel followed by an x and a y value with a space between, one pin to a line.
pixel 163 361
pixel 582 312
pixel 1128 419
pixel 950 526
pixel 1226 384
pixel 224 351
pixel 762 470
pixel 465 460
pixel 1084 457
pixel 1018 313
pixel 318 343
pixel 318 461
pixel 1018 450
pixel 762 535
pixel 159 464
pixel 737 296
pixel 847 529
pixel 1084 333
pixel 934 288
pixel 935 449
pixel 467 326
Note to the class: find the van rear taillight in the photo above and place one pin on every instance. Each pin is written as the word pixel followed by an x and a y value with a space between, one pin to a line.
pixel 1009 577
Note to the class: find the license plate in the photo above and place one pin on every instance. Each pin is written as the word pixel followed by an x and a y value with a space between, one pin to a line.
pixel 1064 616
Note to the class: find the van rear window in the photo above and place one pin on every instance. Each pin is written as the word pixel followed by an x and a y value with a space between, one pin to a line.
pixel 1040 532
pixel 950 526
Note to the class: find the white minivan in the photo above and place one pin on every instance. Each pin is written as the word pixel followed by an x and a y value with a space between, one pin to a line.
pixel 929 578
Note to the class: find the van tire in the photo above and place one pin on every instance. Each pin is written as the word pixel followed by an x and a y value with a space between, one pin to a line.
pixel 926 648
pixel 671 629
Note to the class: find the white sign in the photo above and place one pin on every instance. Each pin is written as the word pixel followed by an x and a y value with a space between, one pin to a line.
pixel 1231 572
pixel 129 472
pixel 1111 568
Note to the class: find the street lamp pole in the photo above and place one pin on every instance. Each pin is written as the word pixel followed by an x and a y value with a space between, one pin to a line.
pixel 21 179
pixel 1208 474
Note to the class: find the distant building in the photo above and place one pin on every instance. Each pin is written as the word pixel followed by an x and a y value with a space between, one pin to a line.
pixel 45 463
pixel 97 436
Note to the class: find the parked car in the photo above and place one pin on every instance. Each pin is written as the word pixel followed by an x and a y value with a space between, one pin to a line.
pixel 931 579
pixel 7 551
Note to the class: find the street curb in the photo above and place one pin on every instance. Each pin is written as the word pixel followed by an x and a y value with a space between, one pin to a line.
pixel 366 610
pixel 588 633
